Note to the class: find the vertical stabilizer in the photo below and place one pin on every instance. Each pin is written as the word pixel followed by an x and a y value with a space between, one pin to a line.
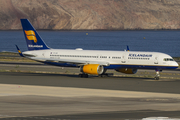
pixel 34 41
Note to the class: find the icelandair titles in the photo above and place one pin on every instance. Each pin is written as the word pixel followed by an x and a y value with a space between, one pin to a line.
pixel 39 46
pixel 140 55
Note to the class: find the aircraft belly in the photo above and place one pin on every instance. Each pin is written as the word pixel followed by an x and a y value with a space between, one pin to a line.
pixel 116 66
pixel 61 64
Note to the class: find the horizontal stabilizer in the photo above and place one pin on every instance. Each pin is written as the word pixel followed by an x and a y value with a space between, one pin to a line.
pixel 19 51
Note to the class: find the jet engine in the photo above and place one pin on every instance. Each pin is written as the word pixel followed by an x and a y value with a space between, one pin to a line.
pixel 127 70
pixel 94 69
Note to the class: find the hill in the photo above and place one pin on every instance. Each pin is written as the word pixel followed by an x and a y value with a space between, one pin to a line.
pixel 91 14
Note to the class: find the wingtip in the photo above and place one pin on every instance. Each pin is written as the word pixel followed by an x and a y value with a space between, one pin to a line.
pixel 127 48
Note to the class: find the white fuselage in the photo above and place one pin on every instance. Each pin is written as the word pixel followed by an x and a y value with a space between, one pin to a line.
pixel 114 59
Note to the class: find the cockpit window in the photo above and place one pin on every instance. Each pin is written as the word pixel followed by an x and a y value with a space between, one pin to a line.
pixel 168 59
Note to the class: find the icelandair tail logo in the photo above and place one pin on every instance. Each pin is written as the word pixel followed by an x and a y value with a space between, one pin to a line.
pixel 31 35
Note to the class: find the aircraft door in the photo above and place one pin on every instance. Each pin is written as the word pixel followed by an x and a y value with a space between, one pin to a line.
pixel 43 54
pixel 123 60
pixel 156 60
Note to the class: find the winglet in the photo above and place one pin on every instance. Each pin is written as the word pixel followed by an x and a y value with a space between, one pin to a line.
pixel 19 51
pixel 127 48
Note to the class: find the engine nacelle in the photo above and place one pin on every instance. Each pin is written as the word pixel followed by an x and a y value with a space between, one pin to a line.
pixel 94 69
pixel 127 70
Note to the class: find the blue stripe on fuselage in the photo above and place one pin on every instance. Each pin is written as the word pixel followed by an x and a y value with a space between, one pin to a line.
pixel 61 64
pixel 139 67
pixel 115 66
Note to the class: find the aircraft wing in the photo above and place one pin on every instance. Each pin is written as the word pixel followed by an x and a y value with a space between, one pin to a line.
pixel 77 62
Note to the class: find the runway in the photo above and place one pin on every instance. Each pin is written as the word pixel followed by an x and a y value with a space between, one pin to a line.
pixel 49 95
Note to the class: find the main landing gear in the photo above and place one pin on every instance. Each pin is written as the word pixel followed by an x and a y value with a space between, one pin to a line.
pixel 157 75
pixel 106 75
pixel 83 75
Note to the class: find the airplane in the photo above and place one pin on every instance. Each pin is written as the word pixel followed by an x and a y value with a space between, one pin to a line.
pixel 95 62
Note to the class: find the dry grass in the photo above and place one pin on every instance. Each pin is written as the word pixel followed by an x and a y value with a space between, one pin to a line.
pixel 15 59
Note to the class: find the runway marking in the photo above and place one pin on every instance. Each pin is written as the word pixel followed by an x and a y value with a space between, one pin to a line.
pixel 6 94
pixel 6 116
pixel 13 89
pixel 161 80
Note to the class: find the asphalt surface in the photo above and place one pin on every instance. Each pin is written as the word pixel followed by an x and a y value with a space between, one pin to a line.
pixel 134 115
pixel 93 82
pixel 41 107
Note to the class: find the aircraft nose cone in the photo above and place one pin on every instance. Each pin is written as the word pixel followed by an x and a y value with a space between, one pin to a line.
pixel 175 64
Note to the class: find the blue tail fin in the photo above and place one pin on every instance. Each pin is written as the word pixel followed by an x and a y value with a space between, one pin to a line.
pixel 34 41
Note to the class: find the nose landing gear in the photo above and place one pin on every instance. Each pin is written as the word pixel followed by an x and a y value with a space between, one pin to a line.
pixel 157 75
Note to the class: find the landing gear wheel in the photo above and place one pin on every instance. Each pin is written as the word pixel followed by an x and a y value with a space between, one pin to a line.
pixel 83 75
pixel 156 78
pixel 157 75
pixel 103 75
